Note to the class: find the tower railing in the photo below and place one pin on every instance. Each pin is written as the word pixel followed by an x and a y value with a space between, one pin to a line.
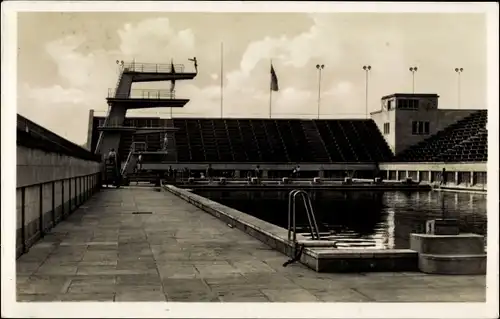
pixel 142 94
pixel 152 67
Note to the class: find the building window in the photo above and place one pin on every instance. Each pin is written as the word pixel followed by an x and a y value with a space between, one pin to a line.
pixel 387 128
pixel 408 104
pixel 420 128
pixel 389 105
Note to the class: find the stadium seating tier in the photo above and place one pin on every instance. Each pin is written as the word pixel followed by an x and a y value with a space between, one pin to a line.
pixel 304 141
pixel 464 141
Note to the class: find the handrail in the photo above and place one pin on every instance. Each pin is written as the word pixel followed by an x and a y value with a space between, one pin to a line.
pixel 133 149
pixel 141 94
pixel 313 226
pixel 52 208
pixel 153 67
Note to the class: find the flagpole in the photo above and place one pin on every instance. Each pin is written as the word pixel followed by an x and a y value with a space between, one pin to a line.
pixel 270 92
pixel 221 79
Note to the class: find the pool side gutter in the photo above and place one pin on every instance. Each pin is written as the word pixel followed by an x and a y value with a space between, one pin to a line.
pixel 320 256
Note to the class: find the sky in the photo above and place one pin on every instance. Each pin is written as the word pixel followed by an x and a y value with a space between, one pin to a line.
pixel 67 62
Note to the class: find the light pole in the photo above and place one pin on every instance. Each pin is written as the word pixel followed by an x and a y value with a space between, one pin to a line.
pixel 367 69
pixel 459 72
pixel 320 68
pixel 413 69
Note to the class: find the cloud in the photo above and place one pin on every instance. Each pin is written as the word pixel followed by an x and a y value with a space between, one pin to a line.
pixel 389 43
pixel 57 94
pixel 156 40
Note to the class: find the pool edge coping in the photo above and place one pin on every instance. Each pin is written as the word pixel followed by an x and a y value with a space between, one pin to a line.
pixel 276 237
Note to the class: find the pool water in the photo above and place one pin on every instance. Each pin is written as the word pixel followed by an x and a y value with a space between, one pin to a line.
pixel 359 219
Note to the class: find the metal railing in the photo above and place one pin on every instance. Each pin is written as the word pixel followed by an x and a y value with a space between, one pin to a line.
pixel 292 228
pixel 135 147
pixel 74 191
pixel 152 67
pixel 142 94
pixel 121 123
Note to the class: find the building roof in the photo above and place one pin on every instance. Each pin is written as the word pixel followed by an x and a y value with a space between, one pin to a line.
pixel 410 95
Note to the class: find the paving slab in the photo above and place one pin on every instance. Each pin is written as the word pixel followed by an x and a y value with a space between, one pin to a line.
pixel 103 252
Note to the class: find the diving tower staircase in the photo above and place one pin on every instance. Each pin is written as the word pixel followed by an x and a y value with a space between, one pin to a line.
pixel 123 97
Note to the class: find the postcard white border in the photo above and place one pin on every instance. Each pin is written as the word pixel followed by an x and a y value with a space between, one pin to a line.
pixel 10 308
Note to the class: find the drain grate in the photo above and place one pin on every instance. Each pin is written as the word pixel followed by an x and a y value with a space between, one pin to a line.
pixel 142 213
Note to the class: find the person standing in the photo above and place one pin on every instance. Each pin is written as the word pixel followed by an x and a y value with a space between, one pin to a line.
pixel 112 155
pixel 257 171
pixel 139 161
pixel 209 172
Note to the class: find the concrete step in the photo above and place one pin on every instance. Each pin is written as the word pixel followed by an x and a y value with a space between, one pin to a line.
pixel 447 244
pixel 456 264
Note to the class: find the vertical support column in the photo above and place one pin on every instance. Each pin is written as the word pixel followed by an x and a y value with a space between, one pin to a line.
pixel 23 219
pixel 70 198
pixel 457 180
pixel 40 213
pixel 430 177
pixel 472 178
pixel 418 176
pixel 397 175
pixel 53 204
pixel 80 183
pixel 63 204
pixel 76 192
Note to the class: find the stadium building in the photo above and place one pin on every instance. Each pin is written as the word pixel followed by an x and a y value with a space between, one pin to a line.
pixel 409 137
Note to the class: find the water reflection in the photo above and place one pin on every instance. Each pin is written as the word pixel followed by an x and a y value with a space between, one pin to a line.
pixel 381 220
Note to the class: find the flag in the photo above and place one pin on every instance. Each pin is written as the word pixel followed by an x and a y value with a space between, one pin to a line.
pixel 274 80
pixel 172 86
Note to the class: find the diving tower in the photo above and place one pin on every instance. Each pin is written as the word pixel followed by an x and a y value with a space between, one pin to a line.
pixel 123 98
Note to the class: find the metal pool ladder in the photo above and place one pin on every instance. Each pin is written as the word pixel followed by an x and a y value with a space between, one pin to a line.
pixel 306 199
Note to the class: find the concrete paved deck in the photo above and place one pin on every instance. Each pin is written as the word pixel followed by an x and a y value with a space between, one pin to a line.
pixel 104 252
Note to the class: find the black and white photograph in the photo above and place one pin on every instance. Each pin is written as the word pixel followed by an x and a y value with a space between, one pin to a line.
pixel 249 159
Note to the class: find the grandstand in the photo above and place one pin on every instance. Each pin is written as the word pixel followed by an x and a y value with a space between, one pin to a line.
pixel 408 137
pixel 279 141
pixel 464 141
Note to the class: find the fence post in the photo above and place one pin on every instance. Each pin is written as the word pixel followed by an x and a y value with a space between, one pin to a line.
pixel 62 198
pixel 40 217
pixel 53 204
pixel 69 194
pixel 77 200
pixel 79 190
pixel 76 193
pixel 23 219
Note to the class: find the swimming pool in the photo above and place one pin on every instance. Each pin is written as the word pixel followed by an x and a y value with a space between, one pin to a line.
pixel 363 219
